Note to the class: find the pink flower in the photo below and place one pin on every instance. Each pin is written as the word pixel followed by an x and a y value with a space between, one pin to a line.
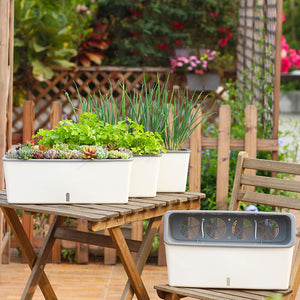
pixel 213 15
pixel 283 17
pixel 294 58
pixel 190 68
pixel 179 64
pixel 178 42
pixel 284 45
pixel 223 42
pixel 183 59
pixel 193 58
pixel 201 72
pixel 285 64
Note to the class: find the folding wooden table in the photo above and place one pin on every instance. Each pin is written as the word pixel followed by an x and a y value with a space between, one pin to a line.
pixel 100 217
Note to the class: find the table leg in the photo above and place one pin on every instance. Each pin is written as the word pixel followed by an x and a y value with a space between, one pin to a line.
pixel 143 254
pixel 128 263
pixel 27 249
pixel 41 260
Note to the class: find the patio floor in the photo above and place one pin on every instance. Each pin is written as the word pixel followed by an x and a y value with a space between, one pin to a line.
pixel 72 281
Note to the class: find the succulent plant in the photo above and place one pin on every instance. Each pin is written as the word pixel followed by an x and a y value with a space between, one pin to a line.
pixel 51 154
pixel 38 154
pixel 123 154
pixel 89 152
pixel 25 152
pixel 12 153
pixel 65 154
pixel 76 154
pixel 101 153
pixel 61 147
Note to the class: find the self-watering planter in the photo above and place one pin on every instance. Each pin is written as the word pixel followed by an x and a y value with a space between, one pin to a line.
pixel 226 249
pixel 67 180
pixel 144 175
pixel 173 171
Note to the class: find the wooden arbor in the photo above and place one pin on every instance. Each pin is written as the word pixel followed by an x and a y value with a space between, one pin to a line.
pixel 6 76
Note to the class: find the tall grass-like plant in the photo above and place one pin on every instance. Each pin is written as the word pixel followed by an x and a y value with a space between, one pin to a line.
pixel 158 108
pixel 184 117
pixel 105 107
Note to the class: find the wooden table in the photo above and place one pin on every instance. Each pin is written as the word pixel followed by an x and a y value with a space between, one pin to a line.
pixel 100 216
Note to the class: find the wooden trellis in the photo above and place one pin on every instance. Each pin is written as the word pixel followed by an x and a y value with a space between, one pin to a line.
pixel 91 80
pixel 259 50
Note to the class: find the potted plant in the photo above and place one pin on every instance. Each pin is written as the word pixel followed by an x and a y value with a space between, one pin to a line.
pixel 175 116
pixel 145 145
pixel 199 71
pixel 70 165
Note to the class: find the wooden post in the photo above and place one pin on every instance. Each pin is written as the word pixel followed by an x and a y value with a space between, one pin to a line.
pixel 5 76
pixel 55 117
pixel 136 233
pixel 28 121
pixel 28 130
pixel 82 249
pixel 110 255
pixel 251 137
pixel 195 159
pixel 251 130
pixel 11 67
pixel 277 67
pixel 223 157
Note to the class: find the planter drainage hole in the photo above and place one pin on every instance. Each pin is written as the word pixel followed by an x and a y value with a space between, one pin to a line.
pixel 67 197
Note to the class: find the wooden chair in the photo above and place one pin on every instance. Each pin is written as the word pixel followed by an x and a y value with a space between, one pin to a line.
pixel 243 190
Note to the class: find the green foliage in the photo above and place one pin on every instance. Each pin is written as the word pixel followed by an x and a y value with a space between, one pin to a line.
pixel 291 26
pixel 91 131
pixel 69 254
pixel 169 114
pixel 291 150
pixel 47 34
pixel 146 32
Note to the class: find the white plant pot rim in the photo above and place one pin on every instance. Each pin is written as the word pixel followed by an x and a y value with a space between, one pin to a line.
pixel 74 160
pixel 185 150
pixel 147 155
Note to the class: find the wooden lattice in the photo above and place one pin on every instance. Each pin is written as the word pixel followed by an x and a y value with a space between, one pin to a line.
pixel 91 80
pixel 256 50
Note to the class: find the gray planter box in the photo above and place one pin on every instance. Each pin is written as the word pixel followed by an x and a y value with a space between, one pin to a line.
pixel 210 81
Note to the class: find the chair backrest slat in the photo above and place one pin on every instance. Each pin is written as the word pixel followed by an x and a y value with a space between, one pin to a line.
pixel 271 183
pixel 273 200
pixel 275 166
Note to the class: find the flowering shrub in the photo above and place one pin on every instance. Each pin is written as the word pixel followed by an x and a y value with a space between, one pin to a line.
pixel 289 57
pixel 192 63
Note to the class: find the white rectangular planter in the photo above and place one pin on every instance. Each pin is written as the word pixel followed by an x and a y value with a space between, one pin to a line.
pixel 67 181
pixel 144 175
pixel 199 255
pixel 173 171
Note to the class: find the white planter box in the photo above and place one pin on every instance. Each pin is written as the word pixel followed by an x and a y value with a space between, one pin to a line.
pixel 207 258
pixel 144 176
pixel 173 171
pixel 67 181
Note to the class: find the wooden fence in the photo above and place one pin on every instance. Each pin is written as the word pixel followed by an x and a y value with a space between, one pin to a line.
pixel 223 143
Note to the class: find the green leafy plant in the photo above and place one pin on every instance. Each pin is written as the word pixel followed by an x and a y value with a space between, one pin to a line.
pixel 47 34
pixel 90 131
pixel 69 254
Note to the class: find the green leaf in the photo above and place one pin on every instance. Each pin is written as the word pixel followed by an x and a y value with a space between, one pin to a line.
pixel 40 71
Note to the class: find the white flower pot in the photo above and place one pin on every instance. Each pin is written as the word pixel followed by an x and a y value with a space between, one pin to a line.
pixel 67 180
pixel 144 175
pixel 173 171
pixel 210 81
